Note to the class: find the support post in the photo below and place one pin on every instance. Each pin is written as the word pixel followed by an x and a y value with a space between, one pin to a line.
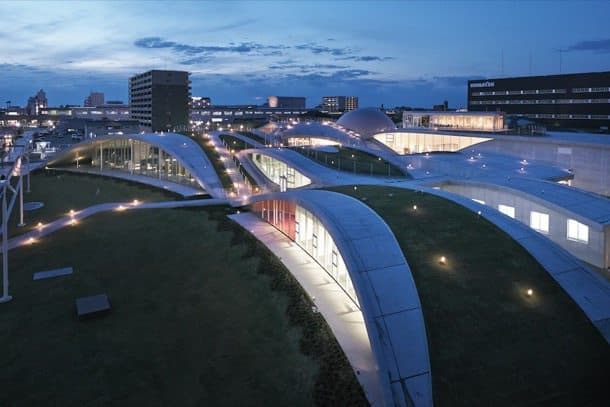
pixel 5 297
pixel 20 186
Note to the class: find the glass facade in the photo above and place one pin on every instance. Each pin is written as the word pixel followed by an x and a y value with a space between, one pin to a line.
pixel 414 143
pixel 279 173
pixel 306 230
pixel 136 157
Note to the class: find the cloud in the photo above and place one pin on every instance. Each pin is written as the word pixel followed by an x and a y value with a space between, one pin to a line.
pixel 187 49
pixel 365 58
pixel 292 65
pixel 600 46
pixel 320 49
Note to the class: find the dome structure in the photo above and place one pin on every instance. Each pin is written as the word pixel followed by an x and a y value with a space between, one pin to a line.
pixel 366 121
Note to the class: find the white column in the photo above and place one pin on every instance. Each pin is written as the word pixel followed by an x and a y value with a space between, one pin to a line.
pixel 5 297
pixel 20 186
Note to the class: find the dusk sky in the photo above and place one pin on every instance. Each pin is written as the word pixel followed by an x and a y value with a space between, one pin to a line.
pixel 395 53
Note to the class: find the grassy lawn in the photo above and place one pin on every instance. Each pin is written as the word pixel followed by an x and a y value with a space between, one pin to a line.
pixel 253 136
pixel 490 344
pixel 202 313
pixel 62 191
pixel 217 163
pixel 235 143
pixel 352 160
pixel 192 323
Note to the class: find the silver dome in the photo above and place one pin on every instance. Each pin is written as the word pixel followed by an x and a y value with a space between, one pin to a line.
pixel 366 121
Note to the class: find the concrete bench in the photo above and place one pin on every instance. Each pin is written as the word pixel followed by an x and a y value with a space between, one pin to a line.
pixel 92 307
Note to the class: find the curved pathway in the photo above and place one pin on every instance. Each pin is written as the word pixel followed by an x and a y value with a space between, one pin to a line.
pixel 73 217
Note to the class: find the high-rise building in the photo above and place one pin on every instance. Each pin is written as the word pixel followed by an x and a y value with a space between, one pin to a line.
pixel 571 100
pixel 286 102
pixel 36 103
pixel 94 99
pixel 339 104
pixel 159 100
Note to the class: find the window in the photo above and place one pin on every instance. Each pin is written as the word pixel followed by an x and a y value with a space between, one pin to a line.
pixel 507 210
pixel 539 221
pixel 578 232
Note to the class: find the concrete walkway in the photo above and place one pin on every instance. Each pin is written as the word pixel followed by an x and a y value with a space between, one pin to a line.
pixel 73 218
pixel 241 187
pixel 339 311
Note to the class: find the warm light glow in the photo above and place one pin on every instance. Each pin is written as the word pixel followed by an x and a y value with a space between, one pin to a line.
pixel 530 292
pixel 39 225
pixel 443 260
pixel 73 222
pixel 31 240
pixel 135 202
pixel 120 208
pixel 414 207
pixel 71 212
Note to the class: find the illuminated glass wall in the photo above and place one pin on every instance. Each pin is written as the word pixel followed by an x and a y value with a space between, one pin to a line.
pixel 278 172
pixel 309 233
pixel 140 158
pixel 413 143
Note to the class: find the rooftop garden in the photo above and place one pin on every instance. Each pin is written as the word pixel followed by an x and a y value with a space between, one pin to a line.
pixel 253 136
pixel 210 151
pixel 202 314
pixel 62 191
pixel 235 144
pixel 491 342
pixel 351 160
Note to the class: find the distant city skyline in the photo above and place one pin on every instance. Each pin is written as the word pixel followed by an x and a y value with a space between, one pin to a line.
pixel 392 53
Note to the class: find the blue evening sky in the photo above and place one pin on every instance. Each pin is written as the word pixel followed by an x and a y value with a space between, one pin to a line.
pixel 392 52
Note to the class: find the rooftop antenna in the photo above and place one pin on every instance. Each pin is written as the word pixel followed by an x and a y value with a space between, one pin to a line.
pixel 561 51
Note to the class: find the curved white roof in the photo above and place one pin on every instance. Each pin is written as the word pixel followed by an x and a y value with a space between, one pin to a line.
pixel 385 289
pixel 318 130
pixel 367 121
pixel 181 147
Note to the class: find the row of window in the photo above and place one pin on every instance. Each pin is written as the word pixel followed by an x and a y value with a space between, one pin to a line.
pixel 539 221
pixel 537 101
pixel 568 116
pixel 597 89
pixel 520 92
pixel 241 113
pixel 589 90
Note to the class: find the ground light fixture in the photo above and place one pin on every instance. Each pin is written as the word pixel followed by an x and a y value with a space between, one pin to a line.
pixel 31 240
pixel 443 260
pixel 39 225
pixel 530 292
pixel 414 207
pixel 71 212
pixel 135 202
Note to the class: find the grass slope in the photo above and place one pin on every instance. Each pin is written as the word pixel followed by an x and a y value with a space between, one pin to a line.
pixel 192 322
pixel 490 344
pixel 352 160
pixel 62 191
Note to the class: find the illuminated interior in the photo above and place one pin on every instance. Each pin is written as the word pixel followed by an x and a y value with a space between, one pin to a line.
pixel 307 231
pixel 279 172
pixel 413 143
